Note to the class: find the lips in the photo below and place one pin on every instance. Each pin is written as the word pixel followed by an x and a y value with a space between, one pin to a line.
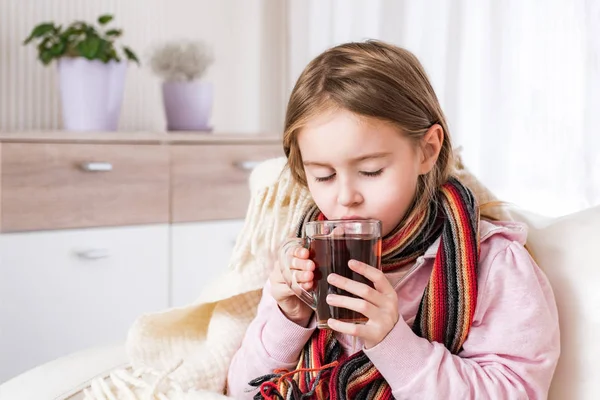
pixel 353 217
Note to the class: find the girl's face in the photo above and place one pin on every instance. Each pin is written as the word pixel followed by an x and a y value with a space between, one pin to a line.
pixel 359 167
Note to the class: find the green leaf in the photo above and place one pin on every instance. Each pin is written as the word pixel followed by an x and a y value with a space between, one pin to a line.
pixel 131 55
pixel 44 44
pixel 112 54
pixel 46 57
pixel 39 31
pixel 105 19
pixel 91 31
pixel 114 32
pixel 72 33
pixel 79 39
pixel 88 48
pixel 57 49
pixel 104 51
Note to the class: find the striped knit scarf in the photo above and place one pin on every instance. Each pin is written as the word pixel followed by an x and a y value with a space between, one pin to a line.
pixel 445 313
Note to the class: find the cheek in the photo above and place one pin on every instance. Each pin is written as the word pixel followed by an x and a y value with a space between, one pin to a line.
pixel 397 189
pixel 393 201
pixel 323 197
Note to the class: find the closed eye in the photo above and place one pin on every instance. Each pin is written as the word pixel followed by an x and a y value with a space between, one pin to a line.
pixel 372 173
pixel 324 178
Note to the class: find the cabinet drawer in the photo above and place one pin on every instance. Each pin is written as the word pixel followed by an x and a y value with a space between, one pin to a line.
pixel 211 182
pixel 56 186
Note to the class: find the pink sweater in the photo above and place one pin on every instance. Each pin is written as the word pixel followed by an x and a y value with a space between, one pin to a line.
pixel 511 351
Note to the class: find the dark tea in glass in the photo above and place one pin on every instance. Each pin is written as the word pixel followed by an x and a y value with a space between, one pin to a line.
pixel 331 255
pixel 331 245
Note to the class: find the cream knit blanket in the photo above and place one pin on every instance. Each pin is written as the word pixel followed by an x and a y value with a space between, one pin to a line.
pixel 184 353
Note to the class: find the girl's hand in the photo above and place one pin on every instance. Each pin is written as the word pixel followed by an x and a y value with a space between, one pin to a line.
pixel 379 305
pixel 296 258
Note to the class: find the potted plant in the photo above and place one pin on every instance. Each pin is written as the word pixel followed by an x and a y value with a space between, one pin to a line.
pixel 91 71
pixel 187 100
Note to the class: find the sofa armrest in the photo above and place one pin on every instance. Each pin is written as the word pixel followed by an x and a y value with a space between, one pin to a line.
pixel 65 376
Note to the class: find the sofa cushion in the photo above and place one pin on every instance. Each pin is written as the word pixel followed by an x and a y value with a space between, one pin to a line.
pixel 565 248
pixel 66 376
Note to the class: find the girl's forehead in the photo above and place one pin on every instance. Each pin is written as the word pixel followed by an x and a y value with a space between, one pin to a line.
pixel 335 116
pixel 344 126
pixel 344 136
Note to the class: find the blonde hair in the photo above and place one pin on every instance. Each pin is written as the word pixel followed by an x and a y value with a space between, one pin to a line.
pixel 372 79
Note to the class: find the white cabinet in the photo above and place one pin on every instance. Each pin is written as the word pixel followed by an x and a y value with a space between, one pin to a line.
pixel 84 251
pixel 200 254
pixel 63 291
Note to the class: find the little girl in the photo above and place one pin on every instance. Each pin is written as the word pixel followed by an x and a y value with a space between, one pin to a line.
pixel 459 310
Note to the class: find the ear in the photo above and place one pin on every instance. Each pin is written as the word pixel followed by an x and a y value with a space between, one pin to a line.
pixel 430 146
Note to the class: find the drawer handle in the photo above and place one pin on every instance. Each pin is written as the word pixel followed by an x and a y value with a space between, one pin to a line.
pixel 96 166
pixel 246 165
pixel 93 254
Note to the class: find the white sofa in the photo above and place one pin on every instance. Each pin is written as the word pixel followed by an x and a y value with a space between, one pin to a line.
pixel 566 249
pixel 64 378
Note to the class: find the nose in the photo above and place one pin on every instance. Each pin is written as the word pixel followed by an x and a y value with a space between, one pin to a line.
pixel 348 194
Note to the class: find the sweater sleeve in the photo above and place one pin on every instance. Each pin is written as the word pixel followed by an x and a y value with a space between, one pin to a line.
pixel 511 350
pixel 271 342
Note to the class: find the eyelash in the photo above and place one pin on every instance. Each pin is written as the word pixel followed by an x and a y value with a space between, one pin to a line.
pixel 324 179
pixel 374 173
pixel 364 173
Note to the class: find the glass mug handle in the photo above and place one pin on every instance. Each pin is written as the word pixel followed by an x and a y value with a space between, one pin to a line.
pixel 289 275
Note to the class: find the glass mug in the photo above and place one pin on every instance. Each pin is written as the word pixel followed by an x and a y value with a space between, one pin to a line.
pixel 331 245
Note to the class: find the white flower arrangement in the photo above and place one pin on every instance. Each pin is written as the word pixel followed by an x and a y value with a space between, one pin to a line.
pixel 181 60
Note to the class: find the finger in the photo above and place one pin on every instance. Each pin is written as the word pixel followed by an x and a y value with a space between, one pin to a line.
pixel 302 265
pixel 303 276
pixel 300 252
pixel 375 275
pixel 277 280
pixel 304 279
pixel 356 288
pixel 351 303
pixel 348 328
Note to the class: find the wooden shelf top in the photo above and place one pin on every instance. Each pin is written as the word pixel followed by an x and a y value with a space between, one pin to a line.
pixel 137 137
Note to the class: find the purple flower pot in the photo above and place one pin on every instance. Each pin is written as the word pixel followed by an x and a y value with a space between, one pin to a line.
pixel 91 93
pixel 188 105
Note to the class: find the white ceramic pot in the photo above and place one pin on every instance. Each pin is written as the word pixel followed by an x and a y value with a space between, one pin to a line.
pixel 91 93
pixel 188 105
